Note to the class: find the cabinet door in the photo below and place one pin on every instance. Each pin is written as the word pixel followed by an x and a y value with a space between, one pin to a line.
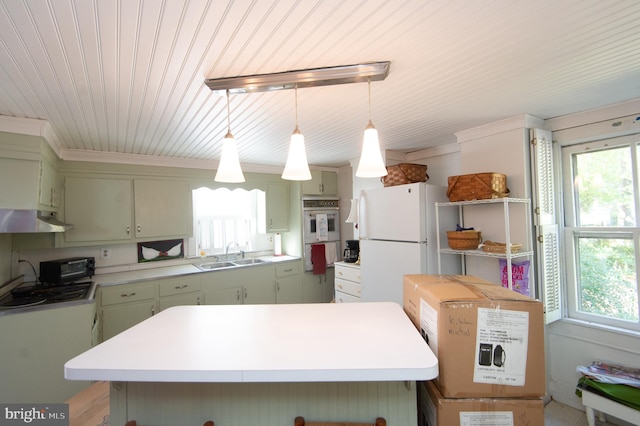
pixel 180 300
pixel 288 282
pixel 259 283
pixel 163 208
pixel 312 288
pixel 99 209
pixel 224 296
pixel 19 181
pixel 277 207
pixel 289 289
pixel 329 183
pixel 321 183
pixel 49 185
pixel 313 186
pixel 118 318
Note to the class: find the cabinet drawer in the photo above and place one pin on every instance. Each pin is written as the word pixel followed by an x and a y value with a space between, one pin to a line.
pixel 286 269
pixel 179 285
pixel 346 298
pixel 127 293
pixel 348 287
pixel 351 274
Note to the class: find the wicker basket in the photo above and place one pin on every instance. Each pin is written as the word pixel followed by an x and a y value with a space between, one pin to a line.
pixel 479 186
pixel 493 247
pixel 464 240
pixel 403 173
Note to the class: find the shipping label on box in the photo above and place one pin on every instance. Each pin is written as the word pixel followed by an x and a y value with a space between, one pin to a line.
pixel 501 347
pixel 478 418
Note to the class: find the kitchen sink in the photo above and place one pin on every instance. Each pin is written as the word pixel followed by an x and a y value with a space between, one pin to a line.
pixel 249 261
pixel 215 265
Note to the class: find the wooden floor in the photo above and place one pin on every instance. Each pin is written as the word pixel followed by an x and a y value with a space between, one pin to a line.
pixel 91 406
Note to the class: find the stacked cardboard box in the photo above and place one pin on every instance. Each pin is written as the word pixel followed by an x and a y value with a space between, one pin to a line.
pixel 489 342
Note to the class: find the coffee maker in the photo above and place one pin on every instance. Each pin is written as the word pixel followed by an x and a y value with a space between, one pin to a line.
pixel 352 252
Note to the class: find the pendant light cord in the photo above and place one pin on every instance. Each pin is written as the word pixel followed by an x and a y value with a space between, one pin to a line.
pixel 369 81
pixel 296 91
pixel 228 114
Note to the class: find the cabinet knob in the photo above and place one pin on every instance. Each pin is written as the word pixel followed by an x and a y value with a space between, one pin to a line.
pixel 198 301
pixel 128 230
pixel 153 310
pixel 138 229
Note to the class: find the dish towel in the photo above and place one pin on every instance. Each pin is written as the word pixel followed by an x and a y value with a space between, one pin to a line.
pixel 322 227
pixel 330 253
pixel 317 259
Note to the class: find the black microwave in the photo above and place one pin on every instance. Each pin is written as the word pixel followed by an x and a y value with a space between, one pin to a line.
pixel 64 271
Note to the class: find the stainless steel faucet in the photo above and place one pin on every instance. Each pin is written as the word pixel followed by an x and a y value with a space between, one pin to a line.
pixel 226 252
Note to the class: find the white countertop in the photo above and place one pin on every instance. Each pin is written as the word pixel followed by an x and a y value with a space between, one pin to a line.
pixel 157 271
pixel 342 342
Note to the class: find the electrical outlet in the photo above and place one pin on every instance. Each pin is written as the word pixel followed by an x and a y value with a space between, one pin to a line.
pixel 270 238
pixel 105 253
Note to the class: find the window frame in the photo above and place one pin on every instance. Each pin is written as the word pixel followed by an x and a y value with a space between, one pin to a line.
pixel 571 232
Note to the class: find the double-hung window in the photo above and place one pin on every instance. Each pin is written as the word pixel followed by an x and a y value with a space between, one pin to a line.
pixel 601 194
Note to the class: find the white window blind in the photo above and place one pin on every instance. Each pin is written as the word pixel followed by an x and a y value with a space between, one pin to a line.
pixel 545 222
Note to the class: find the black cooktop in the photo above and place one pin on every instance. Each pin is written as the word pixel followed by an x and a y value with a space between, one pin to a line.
pixel 32 295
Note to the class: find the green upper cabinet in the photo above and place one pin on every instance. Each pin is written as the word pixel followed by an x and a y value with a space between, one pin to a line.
pixel 321 183
pixel 28 177
pixel 277 205
pixel 122 209
pixel 163 208
pixel 49 195
pixel 100 209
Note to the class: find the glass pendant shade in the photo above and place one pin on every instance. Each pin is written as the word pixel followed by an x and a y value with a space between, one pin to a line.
pixel 296 167
pixel 353 212
pixel 229 168
pixel 371 163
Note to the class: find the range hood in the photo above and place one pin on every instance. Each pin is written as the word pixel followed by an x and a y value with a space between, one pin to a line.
pixel 30 221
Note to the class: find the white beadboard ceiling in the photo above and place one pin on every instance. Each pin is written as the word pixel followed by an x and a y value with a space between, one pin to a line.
pixel 125 78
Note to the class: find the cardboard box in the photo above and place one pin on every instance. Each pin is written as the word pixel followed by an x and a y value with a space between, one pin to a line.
pixel 489 340
pixel 436 410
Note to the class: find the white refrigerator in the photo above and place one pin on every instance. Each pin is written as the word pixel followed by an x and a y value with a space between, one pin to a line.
pixel 398 236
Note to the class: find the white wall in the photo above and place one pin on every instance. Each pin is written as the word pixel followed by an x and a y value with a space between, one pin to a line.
pixel 501 147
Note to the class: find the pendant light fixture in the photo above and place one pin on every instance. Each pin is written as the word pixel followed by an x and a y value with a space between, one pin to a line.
pixel 296 167
pixel 371 164
pixel 229 167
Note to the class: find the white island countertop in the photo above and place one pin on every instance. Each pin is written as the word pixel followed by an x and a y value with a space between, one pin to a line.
pixel 333 342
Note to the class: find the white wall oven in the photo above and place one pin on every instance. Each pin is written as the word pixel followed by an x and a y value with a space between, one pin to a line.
pixel 321 225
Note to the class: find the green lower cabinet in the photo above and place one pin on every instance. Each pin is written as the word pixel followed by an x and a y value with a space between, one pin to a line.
pixel 318 288
pixel 289 282
pixel 123 306
pixel 194 298
pixel 223 296
pixel 118 318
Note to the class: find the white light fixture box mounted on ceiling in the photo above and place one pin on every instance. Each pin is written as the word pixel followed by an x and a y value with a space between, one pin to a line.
pixel 229 169
pixel 371 163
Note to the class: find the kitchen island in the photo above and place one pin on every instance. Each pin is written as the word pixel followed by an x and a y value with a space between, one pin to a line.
pixel 263 364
